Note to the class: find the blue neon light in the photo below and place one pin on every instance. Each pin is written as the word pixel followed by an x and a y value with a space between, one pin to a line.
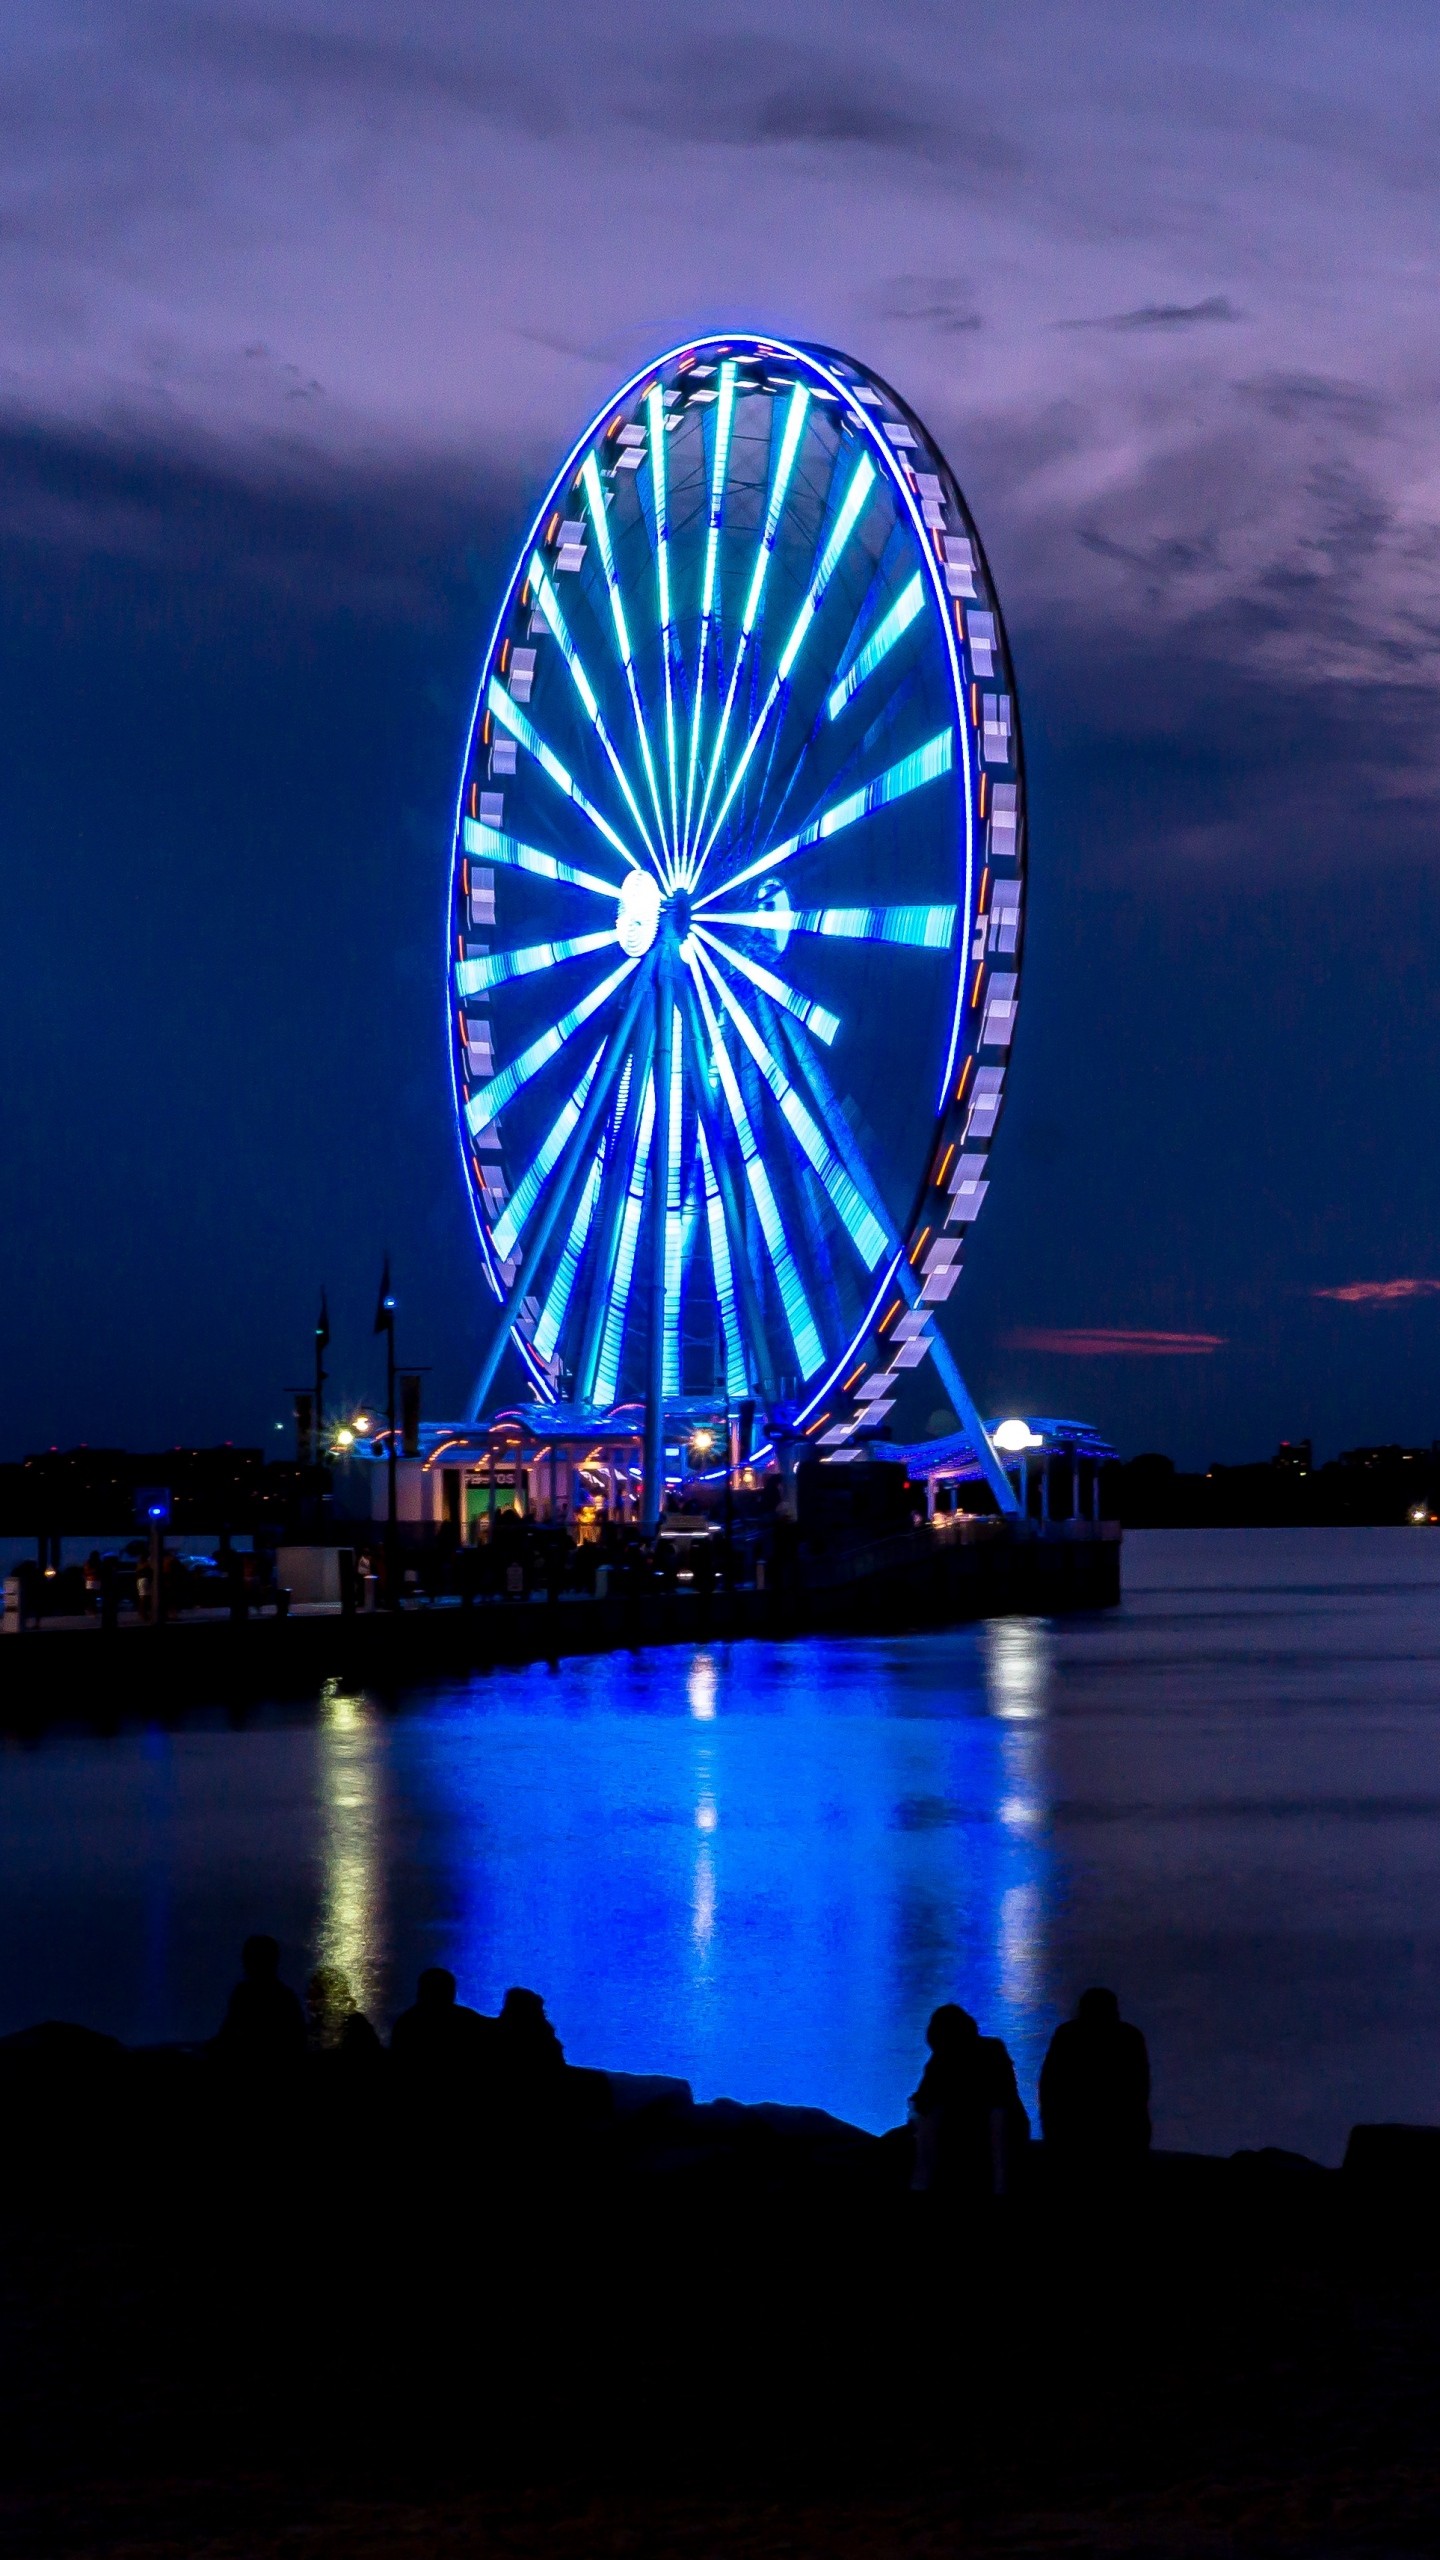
pixel 487 844
pixel 550 607
pixel 596 496
pixel 674 1233
pixel 896 623
pixel 720 1264
pixel 928 928
pixel 483 1106
pixel 510 1224
pixel 785 464
pixel 655 410
pixel 724 416
pixel 911 773
pixel 809 1350
pixel 556 1307
pixel 814 1016
pixel 859 1221
pixel 511 717
pixel 608 1372
pixel 472 977
pixel 862 480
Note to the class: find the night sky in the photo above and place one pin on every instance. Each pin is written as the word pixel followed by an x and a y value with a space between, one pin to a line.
pixel 299 308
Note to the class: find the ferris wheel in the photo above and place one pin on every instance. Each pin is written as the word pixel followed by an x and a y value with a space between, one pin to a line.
pixel 736 906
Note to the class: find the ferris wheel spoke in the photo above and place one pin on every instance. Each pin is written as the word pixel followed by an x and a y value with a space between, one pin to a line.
pixel 617 1308
pixel 909 773
pixel 724 418
pixel 814 1016
pixel 655 414
pixel 509 1226
pixel 488 844
pixel 550 608
pixel 821 1094
pixel 882 640
pixel 557 1302
pixel 621 1143
pixel 722 1271
pixel 922 928
pixel 789 446
pixel 599 517
pixel 523 729
pixel 862 480
pixel 673 1207
pixel 484 1105
pixel 854 1213
pixel 809 1349
pixel 472 977
pixel 752 1338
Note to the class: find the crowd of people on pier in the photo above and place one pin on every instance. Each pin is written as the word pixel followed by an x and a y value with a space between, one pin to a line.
pixel 968 2136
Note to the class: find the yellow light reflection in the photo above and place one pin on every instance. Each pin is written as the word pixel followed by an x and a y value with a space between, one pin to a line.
pixel 351 1776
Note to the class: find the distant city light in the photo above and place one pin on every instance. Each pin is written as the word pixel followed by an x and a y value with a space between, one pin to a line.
pixel 362 1421
pixel 701 1443
pixel 344 1438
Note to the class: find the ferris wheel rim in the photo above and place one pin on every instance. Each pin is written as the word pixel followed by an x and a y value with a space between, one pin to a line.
pixel 826 365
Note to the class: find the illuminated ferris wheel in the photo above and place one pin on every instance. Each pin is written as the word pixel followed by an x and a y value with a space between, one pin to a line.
pixel 736 909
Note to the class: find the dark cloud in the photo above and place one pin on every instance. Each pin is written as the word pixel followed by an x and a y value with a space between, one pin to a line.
pixel 774 93
pixel 1305 398
pixel 942 303
pixel 1164 315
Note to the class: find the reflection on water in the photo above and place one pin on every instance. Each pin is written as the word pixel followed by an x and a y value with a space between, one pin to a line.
pixel 350 1930
pixel 762 1866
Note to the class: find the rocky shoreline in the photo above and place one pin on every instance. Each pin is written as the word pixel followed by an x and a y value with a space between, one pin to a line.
pixel 340 2316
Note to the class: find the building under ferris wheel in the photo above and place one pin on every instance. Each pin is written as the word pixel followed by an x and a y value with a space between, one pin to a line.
pixel 736 920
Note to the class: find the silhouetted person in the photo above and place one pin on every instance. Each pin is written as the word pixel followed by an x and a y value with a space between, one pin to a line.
pixel 264 2028
pixel 1095 2089
pixel 528 2050
pixel 440 2037
pixel 968 2123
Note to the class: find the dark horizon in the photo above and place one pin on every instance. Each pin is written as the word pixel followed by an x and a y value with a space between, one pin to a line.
pixel 281 395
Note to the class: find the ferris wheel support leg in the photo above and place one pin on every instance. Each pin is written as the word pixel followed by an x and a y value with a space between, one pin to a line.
pixel 654 1493
pixel 560 1189
pixel 970 1422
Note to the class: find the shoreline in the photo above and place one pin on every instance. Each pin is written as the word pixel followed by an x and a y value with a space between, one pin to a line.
pixel 242 2322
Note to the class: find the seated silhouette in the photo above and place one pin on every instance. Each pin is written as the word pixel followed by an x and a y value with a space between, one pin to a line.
pixel 542 2097
pixel 969 2127
pixel 264 2024
pixel 336 2025
pixel 1095 2088
pixel 440 2037
pixel 528 2050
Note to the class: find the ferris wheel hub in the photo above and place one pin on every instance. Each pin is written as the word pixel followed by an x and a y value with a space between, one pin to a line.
pixel 637 913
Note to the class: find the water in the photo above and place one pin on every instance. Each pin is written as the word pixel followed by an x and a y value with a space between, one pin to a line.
pixel 762 1866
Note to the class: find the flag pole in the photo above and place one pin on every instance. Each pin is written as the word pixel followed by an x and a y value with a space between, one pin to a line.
pixel 322 1340
pixel 385 1323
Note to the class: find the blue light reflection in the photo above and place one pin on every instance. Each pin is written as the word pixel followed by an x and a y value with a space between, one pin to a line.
pixel 759 1867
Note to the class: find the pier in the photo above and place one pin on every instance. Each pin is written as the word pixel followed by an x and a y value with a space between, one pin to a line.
pixel 946 1573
